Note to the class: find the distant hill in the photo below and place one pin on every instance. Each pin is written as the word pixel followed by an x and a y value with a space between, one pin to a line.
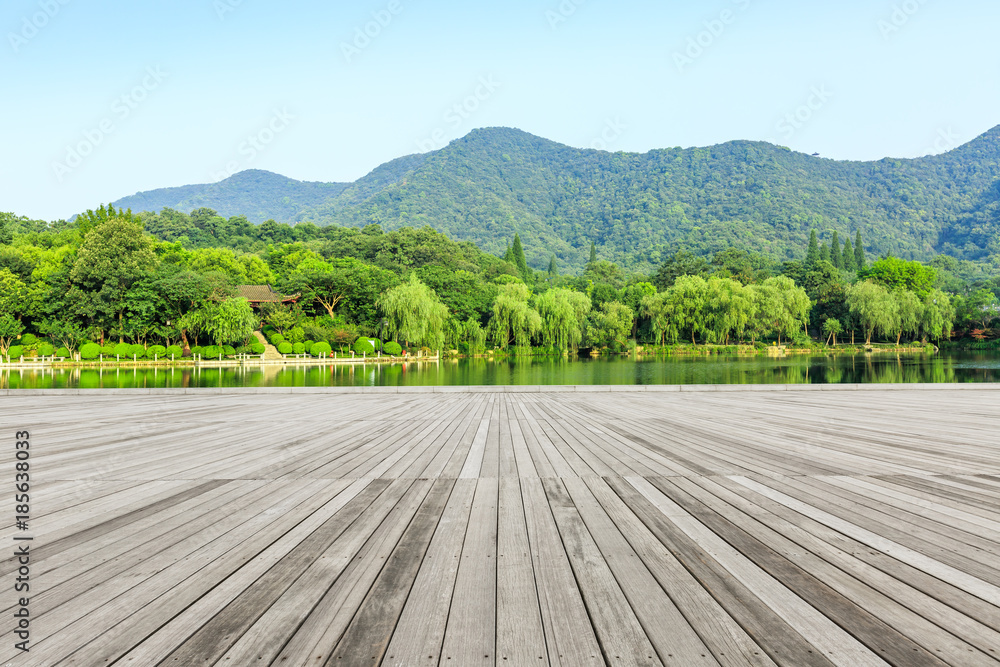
pixel 257 194
pixel 638 208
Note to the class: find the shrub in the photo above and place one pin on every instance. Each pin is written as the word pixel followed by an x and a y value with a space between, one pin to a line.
pixel 64 352
pixel 175 350
pixel 15 351
pixel 228 350
pixel 156 352
pixel 299 348
pixel 320 349
pixel 197 349
pixel 364 346
pixel 124 349
pixel 308 343
pixel 277 339
pixel 295 335
pixel 285 347
pixel 137 351
pixel 45 349
pixel 393 348
pixel 108 350
pixel 211 351
pixel 90 351
pixel 257 348
pixel 29 341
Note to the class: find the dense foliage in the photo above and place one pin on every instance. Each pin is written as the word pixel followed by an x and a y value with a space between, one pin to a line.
pixel 104 287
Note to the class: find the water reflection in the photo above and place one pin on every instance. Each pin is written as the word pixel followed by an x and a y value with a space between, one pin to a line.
pixel 945 367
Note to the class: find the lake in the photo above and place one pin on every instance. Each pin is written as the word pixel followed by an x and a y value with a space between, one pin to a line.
pixel 794 369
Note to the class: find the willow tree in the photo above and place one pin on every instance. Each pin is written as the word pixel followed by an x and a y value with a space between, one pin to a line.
pixel 611 325
pixel 938 315
pixel 232 321
pixel 474 336
pixel 783 306
pixel 514 321
pixel 910 310
pixel 729 308
pixel 414 313
pixel 874 307
pixel 685 303
pixel 563 314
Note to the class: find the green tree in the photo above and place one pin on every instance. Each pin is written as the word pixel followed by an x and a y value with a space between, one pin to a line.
pixel 232 321
pixel 786 306
pixel 832 327
pixel 850 263
pixel 563 315
pixel 824 253
pixel 728 310
pixel 514 321
pixel 683 263
pixel 835 257
pixel 981 308
pixel 910 310
pixel 938 315
pixel 13 293
pixel 610 326
pixel 517 250
pixel 553 268
pixel 10 329
pixel 897 274
pixel 812 254
pixel 115 254
pixel 593 253
pixel 684 306
pixel 874 307
pixel 859 252
pixel 414 313
pixel 474 335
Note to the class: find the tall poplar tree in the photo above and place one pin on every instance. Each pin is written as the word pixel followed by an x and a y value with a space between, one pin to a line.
pixel 812 255
pixel 859 253
pixel 835 257
pixel 848 256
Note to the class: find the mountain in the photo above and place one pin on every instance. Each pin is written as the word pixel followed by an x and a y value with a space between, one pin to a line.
pixel 257 194
pixel 639 208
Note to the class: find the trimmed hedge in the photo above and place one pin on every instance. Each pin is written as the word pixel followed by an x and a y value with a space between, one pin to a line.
pixel 45 349
pixel 90 351
pixel 108 350
pixel 393 348
pixel 196 349
pixel 156 352
pixel 299 348
pixel 29 341
pixel 64 352
pixel 137 351
pixel 175 350
pixel 228 350
pixel 123 349
pixel 15 351
pixel 211 351
pixel 285 347
pixel 257 348
pixel 320 349
pixel 364 346
pixel 277 339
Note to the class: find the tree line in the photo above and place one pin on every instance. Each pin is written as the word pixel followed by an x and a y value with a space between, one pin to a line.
pixel 110 278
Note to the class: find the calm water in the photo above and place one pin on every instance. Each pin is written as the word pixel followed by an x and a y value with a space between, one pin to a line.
pixel 944 367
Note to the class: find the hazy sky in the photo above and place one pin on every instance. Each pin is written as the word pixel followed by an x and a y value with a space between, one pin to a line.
pixel 105 99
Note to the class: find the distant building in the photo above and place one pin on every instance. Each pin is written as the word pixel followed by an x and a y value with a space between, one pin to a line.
pixel 261 294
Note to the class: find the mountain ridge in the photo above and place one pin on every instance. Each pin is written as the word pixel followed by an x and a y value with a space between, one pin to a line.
pixel 638 207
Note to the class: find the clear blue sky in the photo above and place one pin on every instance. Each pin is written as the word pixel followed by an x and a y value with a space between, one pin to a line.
pixel 105 99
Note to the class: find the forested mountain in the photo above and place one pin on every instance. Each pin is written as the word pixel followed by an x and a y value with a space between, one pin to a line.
pixel 639 208
pixel 256 194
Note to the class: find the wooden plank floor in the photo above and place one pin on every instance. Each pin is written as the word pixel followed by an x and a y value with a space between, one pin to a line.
pixel 479 528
